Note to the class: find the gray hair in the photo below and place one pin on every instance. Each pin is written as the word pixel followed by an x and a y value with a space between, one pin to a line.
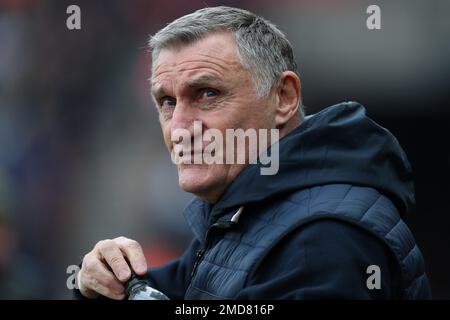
pixel 261 47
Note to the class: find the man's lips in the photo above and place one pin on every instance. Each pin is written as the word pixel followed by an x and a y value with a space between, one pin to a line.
pixel 193 153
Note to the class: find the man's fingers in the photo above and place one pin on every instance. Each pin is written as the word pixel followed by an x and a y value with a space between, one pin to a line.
pixel 113 256
pixel 104 282
pixel 133 250
pixel 106 268
pixel 83 286
pixel 94 285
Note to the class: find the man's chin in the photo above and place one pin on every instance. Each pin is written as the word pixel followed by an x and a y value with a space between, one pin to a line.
pixel 193 178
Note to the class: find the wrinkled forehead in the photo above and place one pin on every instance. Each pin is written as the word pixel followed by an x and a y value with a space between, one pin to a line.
pixel 217 50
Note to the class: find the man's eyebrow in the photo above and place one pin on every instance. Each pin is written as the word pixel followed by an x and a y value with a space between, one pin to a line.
pixel 202 80
pixel 157 90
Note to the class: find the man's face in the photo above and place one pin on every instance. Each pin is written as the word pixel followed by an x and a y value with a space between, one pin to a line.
pixel 206 82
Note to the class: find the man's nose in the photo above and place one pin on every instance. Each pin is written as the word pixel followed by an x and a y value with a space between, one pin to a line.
pixel 183 117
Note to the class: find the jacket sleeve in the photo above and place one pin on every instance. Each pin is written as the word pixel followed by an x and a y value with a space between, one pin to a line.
pixel 326 259
pixel 173 278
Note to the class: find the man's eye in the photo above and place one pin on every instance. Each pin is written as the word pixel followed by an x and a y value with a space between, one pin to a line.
pixel 209 93
pixel 167 102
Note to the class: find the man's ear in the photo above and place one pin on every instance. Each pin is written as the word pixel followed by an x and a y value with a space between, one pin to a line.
pixel 289 98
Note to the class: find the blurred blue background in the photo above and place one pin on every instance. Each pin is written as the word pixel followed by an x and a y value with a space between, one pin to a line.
pixel 81 152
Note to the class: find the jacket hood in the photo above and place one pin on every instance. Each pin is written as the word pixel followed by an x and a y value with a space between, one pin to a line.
pixel 340 144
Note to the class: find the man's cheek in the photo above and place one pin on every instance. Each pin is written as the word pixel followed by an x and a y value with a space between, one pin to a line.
pixel 167 138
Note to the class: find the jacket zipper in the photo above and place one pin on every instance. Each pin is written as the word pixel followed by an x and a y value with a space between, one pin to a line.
pixel 205 245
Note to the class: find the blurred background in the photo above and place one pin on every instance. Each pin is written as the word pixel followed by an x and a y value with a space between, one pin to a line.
pixel 81 152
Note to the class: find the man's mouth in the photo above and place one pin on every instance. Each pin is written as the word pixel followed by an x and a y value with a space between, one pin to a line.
pixel 195 154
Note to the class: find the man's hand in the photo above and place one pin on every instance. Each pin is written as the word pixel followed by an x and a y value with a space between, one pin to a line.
pixel 105 268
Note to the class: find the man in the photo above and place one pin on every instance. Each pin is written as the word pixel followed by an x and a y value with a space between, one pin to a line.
pixel 326 225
